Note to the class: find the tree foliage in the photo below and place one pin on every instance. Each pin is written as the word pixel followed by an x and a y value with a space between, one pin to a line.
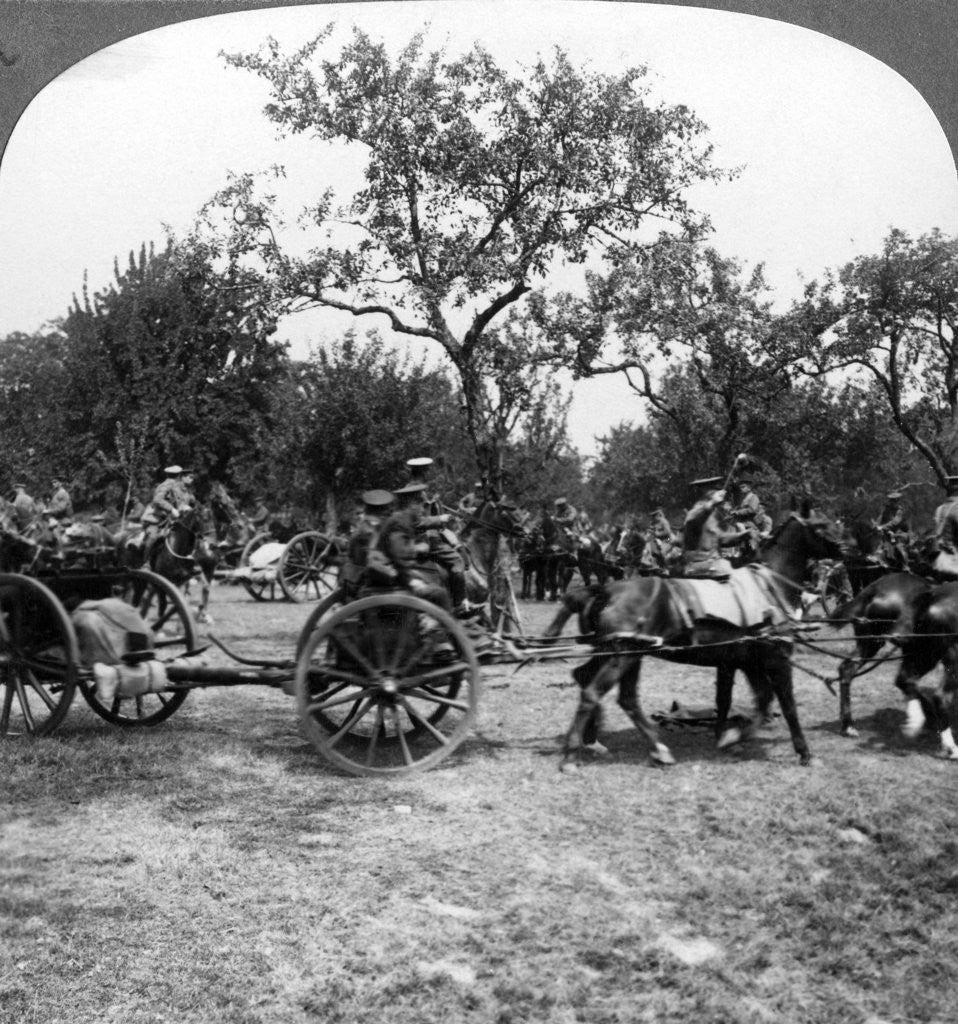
pixel 892 316
pixel 476 183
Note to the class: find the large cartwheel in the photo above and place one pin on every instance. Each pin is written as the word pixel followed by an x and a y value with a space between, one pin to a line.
pixel 386 685
pixel 309 567
pixel 39 657
pixel 40 668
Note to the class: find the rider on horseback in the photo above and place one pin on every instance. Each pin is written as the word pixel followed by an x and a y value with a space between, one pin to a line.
pixel 171 497
pixel 893 524
pixel 946 532
pixel 705 533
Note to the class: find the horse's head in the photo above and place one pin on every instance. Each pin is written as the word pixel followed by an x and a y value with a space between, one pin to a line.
pixel 806 534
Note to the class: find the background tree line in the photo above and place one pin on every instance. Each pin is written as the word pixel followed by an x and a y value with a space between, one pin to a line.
pixel 479 185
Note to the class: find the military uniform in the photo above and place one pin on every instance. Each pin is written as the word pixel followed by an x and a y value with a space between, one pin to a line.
pixel 169 497
pixel 60 506
pixel 745 514
pixel 893 524
pixel 705 533
pixel 433 523
pixel 566 519
pixel 24 507
pixel 376 507
pixel 946 533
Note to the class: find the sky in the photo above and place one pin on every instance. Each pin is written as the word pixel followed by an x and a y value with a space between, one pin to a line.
pixel 834 148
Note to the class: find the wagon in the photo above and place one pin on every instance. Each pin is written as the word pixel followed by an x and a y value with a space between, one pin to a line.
pixel 384 684
pixel 304 569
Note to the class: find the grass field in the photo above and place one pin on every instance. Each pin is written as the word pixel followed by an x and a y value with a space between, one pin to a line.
pixel 214 869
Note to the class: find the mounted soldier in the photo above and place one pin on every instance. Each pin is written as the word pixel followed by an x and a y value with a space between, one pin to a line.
pixel 706 532
pixel 60 506
pixel 24 507
pixel 945 565
pixel 170 497
pixel 566 518
pixel 895 531
pixel 745 515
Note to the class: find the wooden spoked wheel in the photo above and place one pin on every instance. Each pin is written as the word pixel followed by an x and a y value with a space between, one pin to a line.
pixel 39 658
pixel 835 588
pixel 387 685
pixel 329 604
pixel 163 609
pixel 260 590
pixel 308 570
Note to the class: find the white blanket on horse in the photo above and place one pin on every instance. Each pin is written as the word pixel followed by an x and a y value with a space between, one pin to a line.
pixel 747 600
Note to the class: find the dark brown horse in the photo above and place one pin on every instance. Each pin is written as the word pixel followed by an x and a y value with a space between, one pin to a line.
pixel 695 622
pixel 883 613
pixel 933 641
pixel 185 554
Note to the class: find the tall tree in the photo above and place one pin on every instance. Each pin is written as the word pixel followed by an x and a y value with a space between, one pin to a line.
pixel 477 184
pixel 892 316
pixel 180 357
pixel 676 303
pixel 368 411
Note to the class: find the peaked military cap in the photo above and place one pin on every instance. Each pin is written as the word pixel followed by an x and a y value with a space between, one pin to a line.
pixel 561 501
pixel 420 463
pixel 894 495
pixel 173 470
pixel 377 498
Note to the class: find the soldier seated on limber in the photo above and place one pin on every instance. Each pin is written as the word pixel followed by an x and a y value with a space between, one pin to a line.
pixel 394 560
pixel 377 505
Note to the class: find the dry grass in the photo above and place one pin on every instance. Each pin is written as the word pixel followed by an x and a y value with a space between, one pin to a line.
pixel 214 870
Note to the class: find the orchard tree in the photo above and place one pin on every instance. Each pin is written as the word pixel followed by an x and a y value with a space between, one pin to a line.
pixel 178 355
pixel 675 304
pixel 478 184
pixel 892 316
pixel 369 409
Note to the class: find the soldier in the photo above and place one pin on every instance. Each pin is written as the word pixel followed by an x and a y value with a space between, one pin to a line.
pixel 24 507
pixel 443 543
pixel 169 497
pixel 60 506
pixel 259 517
pixel 705 533
pixel 744 514
pixel 763 523
pixel 946 532
pixel 893 524
pixel 469 503
pixel 377 504
pixel 566 518
pixel 435 541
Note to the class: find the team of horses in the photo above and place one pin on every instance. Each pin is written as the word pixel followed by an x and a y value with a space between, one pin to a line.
pixel 747 624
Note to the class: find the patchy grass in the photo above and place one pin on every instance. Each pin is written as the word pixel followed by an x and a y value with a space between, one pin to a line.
pixel 213 869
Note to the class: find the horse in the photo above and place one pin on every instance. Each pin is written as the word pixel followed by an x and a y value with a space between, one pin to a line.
pixel 933 641
pixel 531 552
pixel 184 553
pixel 489 538
pixel 742 624
pixel 591 560
pixel 883 612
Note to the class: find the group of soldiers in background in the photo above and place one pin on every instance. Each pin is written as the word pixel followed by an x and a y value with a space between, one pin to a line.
pixel 398 531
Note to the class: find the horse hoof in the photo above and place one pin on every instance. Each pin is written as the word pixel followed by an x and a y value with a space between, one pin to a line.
pixel 597 749
pixel 807 761
pixel 661 757
pixel 851 732
pixel 569 767
pixel 730 738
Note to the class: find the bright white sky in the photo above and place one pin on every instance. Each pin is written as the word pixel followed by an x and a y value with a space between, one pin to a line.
pixel 835 147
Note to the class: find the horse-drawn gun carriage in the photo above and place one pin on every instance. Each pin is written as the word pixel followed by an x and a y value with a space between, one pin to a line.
pixel 304 568
pixel 387 682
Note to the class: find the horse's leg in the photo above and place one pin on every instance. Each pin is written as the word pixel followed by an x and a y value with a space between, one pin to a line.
pixel 595 678
pixel 947 704
pixel 724 683
pixel 918 659
pixel 659 753
pixel 778 673
pixel 867 645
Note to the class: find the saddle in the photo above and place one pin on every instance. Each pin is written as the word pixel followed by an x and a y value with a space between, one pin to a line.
pixel 747 600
